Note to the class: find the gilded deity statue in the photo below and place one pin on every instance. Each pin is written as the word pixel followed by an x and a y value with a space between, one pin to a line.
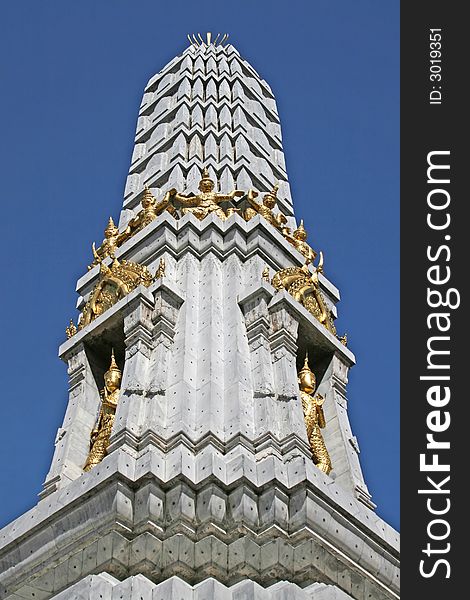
pixel 71 330
pixel 299 240
pixel 266 209
pixel 207 201
pixel 99 439
pixel 112 240
pixel 312 405
pixel 151 209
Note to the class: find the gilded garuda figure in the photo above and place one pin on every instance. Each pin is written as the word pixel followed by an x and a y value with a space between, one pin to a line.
pixel 112 240
pixel 299 240
pixel 99 439
pixel 312 405
pixel 207 201
pixel 116 281
pixel 151 209
pixel 266 209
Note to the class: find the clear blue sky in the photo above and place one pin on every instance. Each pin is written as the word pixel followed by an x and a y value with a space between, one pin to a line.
pixel 72 75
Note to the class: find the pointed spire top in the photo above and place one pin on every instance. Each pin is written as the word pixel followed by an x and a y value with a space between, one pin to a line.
pixel 197 40
pixel 305 368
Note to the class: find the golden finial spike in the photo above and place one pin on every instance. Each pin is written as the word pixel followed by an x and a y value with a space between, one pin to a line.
pixel 216 38
pixel 110 227
pixel 209 36
pixel 320 263
pixel 113 366
pixel 301 230
pixel 200 39
pixel 95 253
pixel 205 173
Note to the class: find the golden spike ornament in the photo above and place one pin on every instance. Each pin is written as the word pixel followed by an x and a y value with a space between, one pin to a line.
pixel 71 330
pixel 207 201
pixel 344 339
pixel 265 209
pixel 116 281
pixel 312 405
pixel 99 438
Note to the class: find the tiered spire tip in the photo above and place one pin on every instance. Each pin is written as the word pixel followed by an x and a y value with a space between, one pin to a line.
pixel 198 41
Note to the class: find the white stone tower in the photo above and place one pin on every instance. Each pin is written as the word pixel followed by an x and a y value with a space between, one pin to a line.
pixel 210 482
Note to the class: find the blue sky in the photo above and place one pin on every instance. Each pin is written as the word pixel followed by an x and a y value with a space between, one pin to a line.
pixel 72 76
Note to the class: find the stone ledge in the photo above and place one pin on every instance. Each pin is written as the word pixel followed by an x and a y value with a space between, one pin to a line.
pixel 139 587
pixel 196 563
pixel 122 498
pixel 144 248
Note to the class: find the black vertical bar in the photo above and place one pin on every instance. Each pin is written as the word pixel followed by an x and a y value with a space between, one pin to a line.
pixel 433 119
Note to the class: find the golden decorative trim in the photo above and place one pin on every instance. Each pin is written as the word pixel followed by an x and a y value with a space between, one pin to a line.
pixel 115 282
pixel 305 288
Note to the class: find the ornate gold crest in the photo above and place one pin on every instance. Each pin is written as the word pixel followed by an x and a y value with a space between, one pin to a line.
pixel 305 288
pixel 116 281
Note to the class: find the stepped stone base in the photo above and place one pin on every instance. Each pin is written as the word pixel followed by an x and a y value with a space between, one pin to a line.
pixel 226 516
pixel 106 587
